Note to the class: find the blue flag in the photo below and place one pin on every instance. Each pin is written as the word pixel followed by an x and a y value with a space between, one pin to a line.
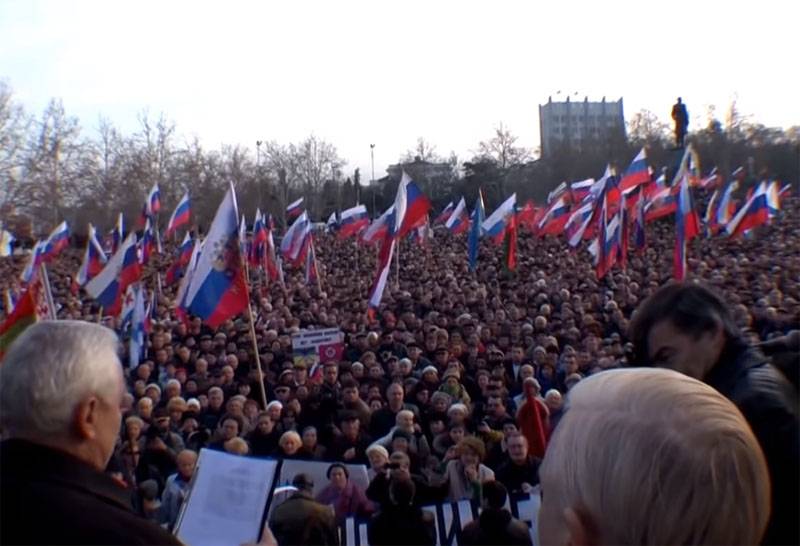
pixel 475 230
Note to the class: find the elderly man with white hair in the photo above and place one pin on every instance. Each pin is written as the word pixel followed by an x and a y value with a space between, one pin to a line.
pixel 61 386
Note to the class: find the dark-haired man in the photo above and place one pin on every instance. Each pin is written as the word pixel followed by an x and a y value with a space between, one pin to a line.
pixel 688 328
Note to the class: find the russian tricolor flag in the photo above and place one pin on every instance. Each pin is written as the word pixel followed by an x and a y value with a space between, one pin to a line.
pixel 445 214
pixel 555 217
pixel 294 243
pixel 581 189
pixel 636 174
pixel 93 260
pixel 177 268
pixel 411 207
pixel 754 213
pixel 495 225
pixel 57 241
pixel 661 203
pixel 180 216
pixel 217 290
pixel 153 201
pixel 458 222
pixel 687 227
pixel 294 208
pixel 353 221
pixel 120 271
pixel 379 227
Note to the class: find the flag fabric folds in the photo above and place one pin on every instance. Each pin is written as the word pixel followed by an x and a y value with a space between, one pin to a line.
pixel 687 227
pixel 475 231
pixel 180 216
pixel 294 208
pixel 295 242
pixel 353 221
pixel 217 290
pixel 411 207
pixel 458 222
pixel 636 174
pixel 496 224
pixel 178 267
pixel 754 212
pixel 445 214
pixel 57 241
pixel 93 260
pixel 111 283
pixel 25 313
pixel 379 227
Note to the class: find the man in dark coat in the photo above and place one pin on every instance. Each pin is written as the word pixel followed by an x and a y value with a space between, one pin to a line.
pixel 401 521
pixel 53 488
pixel 301 520
pixel 688 328
pixel 495 525
pixel 519 472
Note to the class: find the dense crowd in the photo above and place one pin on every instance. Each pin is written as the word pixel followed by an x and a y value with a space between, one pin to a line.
pixel 458 380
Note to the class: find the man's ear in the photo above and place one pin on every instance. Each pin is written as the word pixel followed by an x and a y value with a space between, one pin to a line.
pixel 86 418
pixel 580 527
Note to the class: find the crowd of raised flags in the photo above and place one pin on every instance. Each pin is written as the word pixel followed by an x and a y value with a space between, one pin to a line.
pixel 213 273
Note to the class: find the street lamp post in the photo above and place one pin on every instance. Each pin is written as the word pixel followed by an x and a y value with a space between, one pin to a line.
pixel 372 182
pixel 258 169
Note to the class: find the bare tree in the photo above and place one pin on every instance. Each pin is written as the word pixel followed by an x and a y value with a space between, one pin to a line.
pixel 423 151
pixel 317 162
pixel 645 128
pixel 14 125
pixel 56 166
pixel 502 150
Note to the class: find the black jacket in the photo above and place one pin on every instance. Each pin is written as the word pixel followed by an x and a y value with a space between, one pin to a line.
pixel 495 527
pixel 513 475
pixel 769 403
pixel 407 525
pixel 50 497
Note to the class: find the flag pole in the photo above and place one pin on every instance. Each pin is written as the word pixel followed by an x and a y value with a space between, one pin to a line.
pixel 253 331
pixel 51 307
pixel 255 350
pixel 397 263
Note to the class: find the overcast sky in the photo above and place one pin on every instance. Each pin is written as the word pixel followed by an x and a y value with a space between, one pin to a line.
pixel 356 73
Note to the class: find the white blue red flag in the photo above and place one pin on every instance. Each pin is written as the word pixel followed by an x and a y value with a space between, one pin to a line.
pixel 93 260
pixel 458 222
pixel 294 208
pixel 120 272
pixel 379 227
pixel 636 174
pixel 445 214
pixel 294 244
pixel 353 221
pixel 687 227
pixel 496 224
pixel 411 207
pixel 180 216
pixel 754 213
pixel 217 290
pixel 57 241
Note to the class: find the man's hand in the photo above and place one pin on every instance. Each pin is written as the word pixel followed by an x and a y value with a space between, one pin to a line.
pixel 472 473
pixel 349 454
pixel 527 488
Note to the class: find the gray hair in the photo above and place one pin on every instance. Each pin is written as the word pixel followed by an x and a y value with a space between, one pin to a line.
pixel 49 369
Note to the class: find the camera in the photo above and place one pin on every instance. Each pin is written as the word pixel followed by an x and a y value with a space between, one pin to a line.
pixel 393 466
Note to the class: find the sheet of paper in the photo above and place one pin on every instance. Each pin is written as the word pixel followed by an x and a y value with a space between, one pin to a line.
pixel 227 499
